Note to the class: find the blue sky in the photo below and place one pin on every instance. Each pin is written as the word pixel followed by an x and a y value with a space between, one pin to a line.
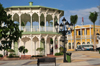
pixel 70 7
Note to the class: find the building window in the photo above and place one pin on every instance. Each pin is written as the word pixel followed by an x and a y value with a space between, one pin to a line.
pixel 78 43
pixel 88 42
pixel 83 42
pixel 69 45
pixel 79 33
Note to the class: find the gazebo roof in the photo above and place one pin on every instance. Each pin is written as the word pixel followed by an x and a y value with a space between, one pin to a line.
pixel 33 6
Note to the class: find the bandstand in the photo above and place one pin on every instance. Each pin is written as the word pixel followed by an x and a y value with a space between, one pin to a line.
pixel 32 35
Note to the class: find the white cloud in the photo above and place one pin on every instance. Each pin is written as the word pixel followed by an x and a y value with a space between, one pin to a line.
pixel 81 13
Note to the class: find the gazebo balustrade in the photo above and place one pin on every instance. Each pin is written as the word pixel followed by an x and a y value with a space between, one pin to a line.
pixel 36 28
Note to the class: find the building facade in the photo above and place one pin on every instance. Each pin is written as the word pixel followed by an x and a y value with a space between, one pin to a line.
pixel 83 35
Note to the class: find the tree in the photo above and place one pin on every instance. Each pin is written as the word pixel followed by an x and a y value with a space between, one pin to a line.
pixel 73 19
pixel 40 50
pixel 93 18
pixel 10 31
pixel 22 50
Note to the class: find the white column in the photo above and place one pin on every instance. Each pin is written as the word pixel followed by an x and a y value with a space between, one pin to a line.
pixel 20 21
pixel 45 22
pixel 45 47
pixel 53 23
pixel 39 23
pixel 35 47
pixel 31 22
pixel 90 34
pixel 58 44
pixel 81 35
pixel 53 46
pixel 39 41
pixel 32 46
pixel 85 36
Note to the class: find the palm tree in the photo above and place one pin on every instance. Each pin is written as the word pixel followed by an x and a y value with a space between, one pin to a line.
pixel 93 18
pixel 73 19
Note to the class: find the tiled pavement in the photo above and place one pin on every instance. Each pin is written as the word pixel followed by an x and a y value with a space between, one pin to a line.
pixel 79 58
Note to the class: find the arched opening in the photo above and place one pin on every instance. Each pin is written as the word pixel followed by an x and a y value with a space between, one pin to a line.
pixel 78 43
pixel 24 19
pixel 16 17
pixel 49 23
pixel 83 42
pixel 35 22
pixel 42 23
pixel 88 42
pixel 35 45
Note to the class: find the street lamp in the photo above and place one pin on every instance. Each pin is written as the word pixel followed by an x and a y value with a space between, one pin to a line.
pixel 65 27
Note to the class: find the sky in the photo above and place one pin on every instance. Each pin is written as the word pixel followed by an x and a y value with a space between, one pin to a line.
pixel 82 8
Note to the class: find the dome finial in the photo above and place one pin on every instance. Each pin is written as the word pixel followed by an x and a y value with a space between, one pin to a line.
pixel 30 3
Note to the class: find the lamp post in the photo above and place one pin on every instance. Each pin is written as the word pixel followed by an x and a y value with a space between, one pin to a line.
pixel 65 27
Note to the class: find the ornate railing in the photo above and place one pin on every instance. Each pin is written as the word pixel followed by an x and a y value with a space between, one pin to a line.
pixel 36 28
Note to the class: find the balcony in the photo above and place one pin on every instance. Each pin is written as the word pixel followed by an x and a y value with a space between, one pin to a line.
pixel 80 37
pixel 36 29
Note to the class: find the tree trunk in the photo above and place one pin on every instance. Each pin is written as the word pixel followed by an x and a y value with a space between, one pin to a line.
pixel 74 38
pixel 94 37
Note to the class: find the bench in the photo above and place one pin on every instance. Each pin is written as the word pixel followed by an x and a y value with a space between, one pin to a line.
pixel 46 60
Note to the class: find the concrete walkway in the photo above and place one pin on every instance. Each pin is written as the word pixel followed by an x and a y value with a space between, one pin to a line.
pixel 79 58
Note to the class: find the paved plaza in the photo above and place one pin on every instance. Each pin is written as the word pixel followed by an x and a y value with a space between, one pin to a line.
pixel 79 58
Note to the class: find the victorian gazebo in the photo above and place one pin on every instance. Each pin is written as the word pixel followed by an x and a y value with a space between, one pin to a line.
pixel 32 35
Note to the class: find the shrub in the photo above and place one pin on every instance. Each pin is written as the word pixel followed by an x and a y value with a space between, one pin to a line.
pixel 16 56
pixel 10 56
pixel 58 54
pixel 1 55
pixel 11 50
pixel 37 56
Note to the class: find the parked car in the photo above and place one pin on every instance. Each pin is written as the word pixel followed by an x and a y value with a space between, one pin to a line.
pixel 84 47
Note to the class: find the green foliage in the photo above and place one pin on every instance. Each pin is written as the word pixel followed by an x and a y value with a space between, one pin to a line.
pixel 11 50
pixel 61 49
pixel 40 49
pixel 51 41
pixel 1 55
pixel 93 16
pixel 22 24
pixel 25 51
pixel 12 56
pixel 42 23
pixel 58 54
pixel 10 30
pixel 21 48
pixel 37 56
pixel 42 40
pixel 73 19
